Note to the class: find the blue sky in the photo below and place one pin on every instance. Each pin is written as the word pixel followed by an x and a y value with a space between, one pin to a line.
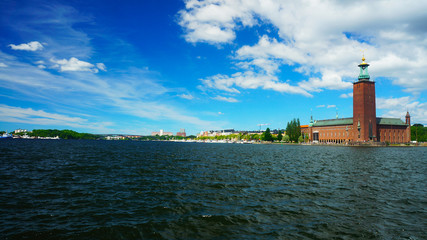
pixel 139 66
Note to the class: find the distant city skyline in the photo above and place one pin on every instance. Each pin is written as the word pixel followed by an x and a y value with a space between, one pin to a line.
pixel 137 67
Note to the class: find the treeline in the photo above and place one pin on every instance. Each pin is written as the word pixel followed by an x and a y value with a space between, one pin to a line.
pixel 63 134
pixel 163 138
pixel 418 133
pixel 292 134
pixel 293 130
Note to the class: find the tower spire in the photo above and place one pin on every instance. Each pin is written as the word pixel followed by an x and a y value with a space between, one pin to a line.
pixel 311 118
pixel 364 111
pixel 364 75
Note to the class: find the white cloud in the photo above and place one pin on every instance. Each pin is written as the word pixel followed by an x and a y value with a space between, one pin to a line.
pixel 268 48
pixel 186 96
pixel 320 39
pixel 31 46
pixel 41 64
pixel 73 65
pixel 2 64
pixel 135 95
pixel 225 99
pixel 346 95
pixel 101 66
pixel 397 108
pixel 251 80
pixel 220 113
pixel 392 103
pixel 39 117
pixel 213 22
pixel 320 106
pixel 331 106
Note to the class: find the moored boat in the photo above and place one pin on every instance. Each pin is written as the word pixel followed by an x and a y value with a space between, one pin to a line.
pixel 6 136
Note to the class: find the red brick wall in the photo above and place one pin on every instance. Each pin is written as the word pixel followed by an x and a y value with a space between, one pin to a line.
pixel 339 134
pixel 336 134
pixel 364 110
pixel 394 134
pixel 307 132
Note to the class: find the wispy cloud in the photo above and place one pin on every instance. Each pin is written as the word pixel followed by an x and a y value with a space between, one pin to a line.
pixel 310 42
pixel 2 64
pixel 54 25
pixel 397 107
pixel 101 67
pixel 208 22
pixel 331 106
pixel 31 46
pixel 225 99
pixel 346 95
pixel 83 92
pixel 40 117
pixel 125 92
pixel 186 96
pixel 74 64
pixel 250 80
pixel 320 106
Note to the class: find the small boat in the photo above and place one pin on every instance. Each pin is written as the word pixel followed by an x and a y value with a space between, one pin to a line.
pixel 6 136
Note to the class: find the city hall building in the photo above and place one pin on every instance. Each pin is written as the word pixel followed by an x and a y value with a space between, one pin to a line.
pixel 364 126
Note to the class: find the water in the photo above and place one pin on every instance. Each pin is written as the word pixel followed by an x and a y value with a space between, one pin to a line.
pixel 59 189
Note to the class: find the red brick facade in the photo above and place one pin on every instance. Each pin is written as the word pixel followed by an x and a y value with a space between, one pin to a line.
pixel 364 111
pixel 394 134
pixel 330 134
pixel 364 126
pixel 345 133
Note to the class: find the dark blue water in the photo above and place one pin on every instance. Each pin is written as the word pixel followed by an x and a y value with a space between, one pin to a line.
pixel 59 189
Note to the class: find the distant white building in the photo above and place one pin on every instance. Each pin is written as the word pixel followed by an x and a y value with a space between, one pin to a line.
pixel 213 133
pixel 181 133
pixel 162 133
pixel 20 130
pixel 115 137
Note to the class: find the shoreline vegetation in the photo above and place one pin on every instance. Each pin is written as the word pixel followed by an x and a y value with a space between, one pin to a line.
pixel 55 134
pixel 418 131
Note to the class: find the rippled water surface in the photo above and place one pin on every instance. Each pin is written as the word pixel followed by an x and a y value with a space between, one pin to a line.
pixel 59 189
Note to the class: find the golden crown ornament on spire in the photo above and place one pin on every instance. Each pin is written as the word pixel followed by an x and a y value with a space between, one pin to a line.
pixel 363 75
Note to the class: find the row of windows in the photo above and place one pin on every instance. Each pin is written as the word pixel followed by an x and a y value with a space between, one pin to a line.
pixel 395 135
pixel 339 134
pixel 392 136
pixel 344 134
pixel 399 133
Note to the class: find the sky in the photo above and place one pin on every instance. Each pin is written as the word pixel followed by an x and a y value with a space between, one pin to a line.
pixel 135 67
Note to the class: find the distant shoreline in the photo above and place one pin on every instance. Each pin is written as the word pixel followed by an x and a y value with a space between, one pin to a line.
pixel 312 144
pixel 423 144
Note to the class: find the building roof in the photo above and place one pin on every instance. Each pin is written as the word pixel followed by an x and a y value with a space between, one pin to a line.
pixel 390 121
pixel 333 122
pixel 349 121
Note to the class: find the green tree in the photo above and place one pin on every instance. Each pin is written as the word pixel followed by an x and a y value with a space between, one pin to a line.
pixel 279 136
pixel 293 130
pixel 286 138
pixel 300 139
pixel 63 134
pixel 255 137
pixel 418 133
pixel 266 136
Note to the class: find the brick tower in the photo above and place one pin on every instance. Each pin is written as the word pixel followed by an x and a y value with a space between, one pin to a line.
pixel 408 128
pixel 364 110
